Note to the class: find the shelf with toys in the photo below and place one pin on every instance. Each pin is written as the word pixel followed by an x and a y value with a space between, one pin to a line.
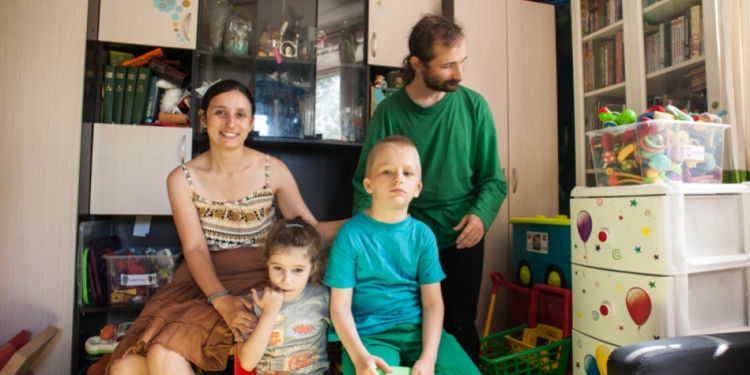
pixel 671 59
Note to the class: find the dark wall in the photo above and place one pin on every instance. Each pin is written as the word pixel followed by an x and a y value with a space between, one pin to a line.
pixel 323 171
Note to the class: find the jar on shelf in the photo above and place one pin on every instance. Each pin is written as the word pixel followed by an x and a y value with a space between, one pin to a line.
pixel 237 35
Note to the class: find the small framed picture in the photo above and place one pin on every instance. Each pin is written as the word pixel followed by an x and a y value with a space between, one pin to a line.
pixel 289 49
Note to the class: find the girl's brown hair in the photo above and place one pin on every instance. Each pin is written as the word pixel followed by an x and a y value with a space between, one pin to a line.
pixel 298 233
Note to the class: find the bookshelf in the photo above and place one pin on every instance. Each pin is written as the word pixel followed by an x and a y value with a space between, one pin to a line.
pixel 650 74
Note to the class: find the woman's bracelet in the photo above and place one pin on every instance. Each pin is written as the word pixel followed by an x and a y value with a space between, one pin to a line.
pixel 222 293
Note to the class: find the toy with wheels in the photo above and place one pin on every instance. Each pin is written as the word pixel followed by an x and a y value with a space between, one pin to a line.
pixel 541 250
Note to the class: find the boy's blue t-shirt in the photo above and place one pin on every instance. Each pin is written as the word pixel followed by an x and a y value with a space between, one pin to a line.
pixel 385 264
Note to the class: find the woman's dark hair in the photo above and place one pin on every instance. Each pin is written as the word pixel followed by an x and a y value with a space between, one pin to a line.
pixel 298 233
pixel 226 86
pixel 201 138
pixel 429 31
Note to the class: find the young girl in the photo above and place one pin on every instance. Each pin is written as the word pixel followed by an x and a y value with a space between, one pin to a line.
pixel 291 333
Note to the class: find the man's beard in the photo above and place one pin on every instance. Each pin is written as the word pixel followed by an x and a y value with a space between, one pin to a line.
pixel 450 85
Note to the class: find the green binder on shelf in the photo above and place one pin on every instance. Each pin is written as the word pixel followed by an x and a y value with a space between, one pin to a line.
pixel 119 94
pixel 142 83
pixel 127 102
pixel 108 88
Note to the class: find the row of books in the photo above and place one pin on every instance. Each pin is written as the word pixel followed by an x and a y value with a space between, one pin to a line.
pixel 130 95
pixel 674 41
pixel 603 62
pixel 597 14
pixel 697 78
pixel 690 102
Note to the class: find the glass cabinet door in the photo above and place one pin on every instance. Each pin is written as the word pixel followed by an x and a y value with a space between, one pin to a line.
pixel 302 59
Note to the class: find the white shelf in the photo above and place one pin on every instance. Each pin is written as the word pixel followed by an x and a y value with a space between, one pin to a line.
pixel 639 85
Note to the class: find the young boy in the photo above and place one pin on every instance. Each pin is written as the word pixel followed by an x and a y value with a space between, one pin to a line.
pixel 384 274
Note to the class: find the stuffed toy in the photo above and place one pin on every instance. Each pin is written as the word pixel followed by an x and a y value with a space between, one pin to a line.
pixel 171 98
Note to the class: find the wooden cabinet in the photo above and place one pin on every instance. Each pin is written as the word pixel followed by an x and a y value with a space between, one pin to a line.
pixel 389 25
pixel 512 63
pixel 648 75
pixel 159 23
pixel 129 168
pixel 124 167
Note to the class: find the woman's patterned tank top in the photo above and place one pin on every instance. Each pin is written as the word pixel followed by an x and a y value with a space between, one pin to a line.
pixel 241 223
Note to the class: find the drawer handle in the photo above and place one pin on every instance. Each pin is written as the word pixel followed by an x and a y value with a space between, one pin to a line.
pixel 186 26
pixel 374 44
pixel 515 180
pixel 184 143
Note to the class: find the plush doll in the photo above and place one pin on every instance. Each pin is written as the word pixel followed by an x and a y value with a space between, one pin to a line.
pixel 172 96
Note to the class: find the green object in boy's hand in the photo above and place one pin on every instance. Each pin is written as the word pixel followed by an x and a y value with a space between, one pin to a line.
pixel 397 370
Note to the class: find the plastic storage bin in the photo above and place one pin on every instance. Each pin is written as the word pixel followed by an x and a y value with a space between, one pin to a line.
pixel 657 261
pixel 136 274
pixel 655 151
pixel 541 250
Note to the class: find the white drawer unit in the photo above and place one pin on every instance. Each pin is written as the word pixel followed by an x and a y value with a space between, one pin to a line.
pixel 657 261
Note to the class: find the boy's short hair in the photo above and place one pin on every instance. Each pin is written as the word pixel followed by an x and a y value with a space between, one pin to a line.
pixel 395 140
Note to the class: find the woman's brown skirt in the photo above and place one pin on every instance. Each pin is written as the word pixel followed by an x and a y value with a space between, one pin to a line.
pixel 179 318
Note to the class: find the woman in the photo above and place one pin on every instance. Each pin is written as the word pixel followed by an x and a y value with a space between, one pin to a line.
pixel 223 204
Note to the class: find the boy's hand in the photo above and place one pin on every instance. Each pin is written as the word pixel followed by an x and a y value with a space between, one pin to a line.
pixel 271 300
pixel 423 367
pixel 372 365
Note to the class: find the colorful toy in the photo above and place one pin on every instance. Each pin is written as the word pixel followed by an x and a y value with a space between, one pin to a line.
pixel 534 347
pixel 610 119
pixel 381 82
pixel 666 144
pixel 541 251
pixel 136 274
pixel 615 149
pixel 606 116
pixel 497 280
pixel 627 116
pixel 107 340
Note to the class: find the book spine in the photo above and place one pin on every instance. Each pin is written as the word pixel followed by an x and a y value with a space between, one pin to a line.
pixel 108 92
pixel 605 64
pixel 619 62
pixel 584 17
pixel 696 32
pixel 127 103
pixel 599 66
pixel 660 48
pixel 681 40
pixel 586 70
pixel 152 100
pixel 590 65
pixel 119 94
pixel 667 44
pixel 143 80
pixel 610 63
pixel 675 38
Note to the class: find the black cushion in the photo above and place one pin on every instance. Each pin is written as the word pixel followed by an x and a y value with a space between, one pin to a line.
pixel 722 353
